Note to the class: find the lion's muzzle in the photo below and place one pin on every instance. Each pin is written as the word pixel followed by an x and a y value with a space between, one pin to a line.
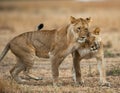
pixel 95 46
pixel 82 39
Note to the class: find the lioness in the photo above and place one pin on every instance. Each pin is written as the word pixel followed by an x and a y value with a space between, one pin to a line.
pixel 53 44
pixel 85 53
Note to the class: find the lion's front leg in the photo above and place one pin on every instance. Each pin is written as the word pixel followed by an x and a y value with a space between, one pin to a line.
pixel 102 71
pixel 55 63
pixel 76 69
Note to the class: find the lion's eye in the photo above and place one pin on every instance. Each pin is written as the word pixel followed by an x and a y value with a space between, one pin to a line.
pixel 86 29
pixel 78 28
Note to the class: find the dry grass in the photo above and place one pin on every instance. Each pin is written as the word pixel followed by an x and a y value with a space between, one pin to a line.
pixel 8 87
pixel 19 17
pixel 45 85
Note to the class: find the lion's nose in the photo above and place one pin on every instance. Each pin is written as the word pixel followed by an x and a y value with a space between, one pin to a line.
pixel 92 46
pixel 83 37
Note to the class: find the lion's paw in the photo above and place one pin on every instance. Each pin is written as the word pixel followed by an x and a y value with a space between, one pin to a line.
pixel 79 83
pixel 107 84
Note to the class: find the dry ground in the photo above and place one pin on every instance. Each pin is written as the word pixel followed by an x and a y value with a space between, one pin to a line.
pixel 18 17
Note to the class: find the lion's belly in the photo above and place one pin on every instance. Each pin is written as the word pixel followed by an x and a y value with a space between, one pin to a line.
pixel 42 52
pixel 42 55
pixel 41 48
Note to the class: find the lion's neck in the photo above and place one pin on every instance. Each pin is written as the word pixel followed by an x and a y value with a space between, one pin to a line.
pixel 70 34
pixel 61 36
pixel 65 40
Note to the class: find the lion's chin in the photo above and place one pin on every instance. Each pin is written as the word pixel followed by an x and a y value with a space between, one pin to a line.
pixel 81 40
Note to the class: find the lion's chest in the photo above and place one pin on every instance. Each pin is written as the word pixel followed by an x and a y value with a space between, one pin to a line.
pixel 85 53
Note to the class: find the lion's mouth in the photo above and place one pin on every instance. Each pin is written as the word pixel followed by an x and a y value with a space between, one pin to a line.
pixel 95 47
pixel 81 40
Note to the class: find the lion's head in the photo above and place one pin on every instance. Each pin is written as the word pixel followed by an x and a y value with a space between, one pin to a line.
pixel 93 40
pixel 97 40
pixel 78 29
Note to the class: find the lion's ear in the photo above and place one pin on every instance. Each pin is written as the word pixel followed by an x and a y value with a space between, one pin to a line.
pixel 72 19
pixel 96 31
pixel 88 19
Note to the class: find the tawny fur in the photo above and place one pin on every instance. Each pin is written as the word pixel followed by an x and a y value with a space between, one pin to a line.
pixel 85 53
pixel 53 44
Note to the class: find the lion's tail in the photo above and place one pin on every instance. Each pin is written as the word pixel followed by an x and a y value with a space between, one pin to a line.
pixel 4 52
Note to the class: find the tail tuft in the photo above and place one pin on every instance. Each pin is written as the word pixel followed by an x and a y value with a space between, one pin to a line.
pixel 40 26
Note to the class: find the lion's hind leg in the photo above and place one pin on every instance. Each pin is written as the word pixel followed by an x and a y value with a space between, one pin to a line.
pixel 27 72
pixel 16 70
pixel 29 62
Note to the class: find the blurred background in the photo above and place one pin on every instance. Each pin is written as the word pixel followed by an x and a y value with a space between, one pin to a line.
pixel 19 16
